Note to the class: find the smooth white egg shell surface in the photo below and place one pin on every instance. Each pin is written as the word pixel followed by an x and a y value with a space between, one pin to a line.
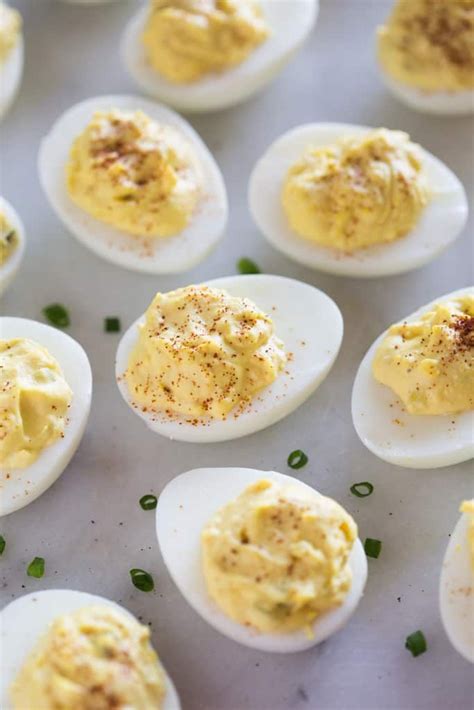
pixel 21 486
pixel 25 620
pixel 185 506
pixel 155 255
pixel 447 103
pixel 311 327
pixel 290 22
pixel 9 269
pixel 456 591
pixel 441 222
pixel 401 438
pixel 11 72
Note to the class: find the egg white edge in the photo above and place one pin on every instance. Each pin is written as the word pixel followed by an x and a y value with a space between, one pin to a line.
pixel 374 393
pixel 206 491
pixel 10 268
pixel 246 423
pixel 11 75
pixel 75 365
pixel 37 611
pixel 407 253
pixel 231 87
pixel 457 575
pixel 197 240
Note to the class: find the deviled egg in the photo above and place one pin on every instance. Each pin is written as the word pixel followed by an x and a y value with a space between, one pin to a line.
pixel 222 52
pixel 62 648
pixel 262 557
pixel 355 201
pixel 12 244
pixel 426 55
pixel 11 55
pixel 456 591
pixel 413 396
pixel 46 389
pixel 134 183
pixel 225 359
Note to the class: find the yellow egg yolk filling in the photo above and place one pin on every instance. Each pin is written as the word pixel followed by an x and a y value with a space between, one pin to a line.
pixel 8 239
pixel 276 557
pixel 429 363
pixel 135 174
pixel 358 192
pixel 10 28
pixel 202 353
pixel 34 402
pixel 185 40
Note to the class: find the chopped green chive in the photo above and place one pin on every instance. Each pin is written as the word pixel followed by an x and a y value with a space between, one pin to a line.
pixel 57 315
pixel 3 544
pixel 142 580
pixel 148 502
pixel 112 325
pixel 36 568
pixel 416 643
pixel 247 266
pixel 362 490
pixel 372 547
pixel 297 459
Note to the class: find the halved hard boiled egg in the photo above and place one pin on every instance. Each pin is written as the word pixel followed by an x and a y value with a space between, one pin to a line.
pixel 402 438
pixel 152 253
pixel 13 233
pixel 456 591
pixel 305 319
pixel 187 504
pixel 289 23
pixel 441 220
pixel 25 621
pixel 11 71
pixel 22 485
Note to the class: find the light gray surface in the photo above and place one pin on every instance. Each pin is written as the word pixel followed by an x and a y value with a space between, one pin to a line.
pixel 71 55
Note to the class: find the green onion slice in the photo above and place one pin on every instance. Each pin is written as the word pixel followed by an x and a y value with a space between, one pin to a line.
pixel 362 489
pixel 372 547
pixel 247 266
pixel 112 325
pixel 36 568
pixel 297 459
pixel 148 502
pixel 416 643
pixel 57 315
pixel 3 544
pixel 142 580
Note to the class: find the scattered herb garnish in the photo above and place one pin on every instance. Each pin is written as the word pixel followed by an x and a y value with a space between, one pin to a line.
pixel 247 266
pixel 297 459
pixel 142 580
pixel 2 544
pixel 36 568
pixel 148 502
pixel 362 490
pixel 372 547
pixel 416 643
pixel 112 325
pixel 57 315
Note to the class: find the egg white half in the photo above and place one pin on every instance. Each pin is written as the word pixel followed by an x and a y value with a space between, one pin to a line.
pixel 456 591
pixel 155 255
pixel 403 439
pixel 441 222
pixel 185 506
pixel 9 269
pixel 21 486
pixel 443 103
pixel 290 22
pixel 311 327
pixel 25 620
pixel 11 72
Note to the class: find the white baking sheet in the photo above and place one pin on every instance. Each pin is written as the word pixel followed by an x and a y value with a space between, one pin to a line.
pixel 89 526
